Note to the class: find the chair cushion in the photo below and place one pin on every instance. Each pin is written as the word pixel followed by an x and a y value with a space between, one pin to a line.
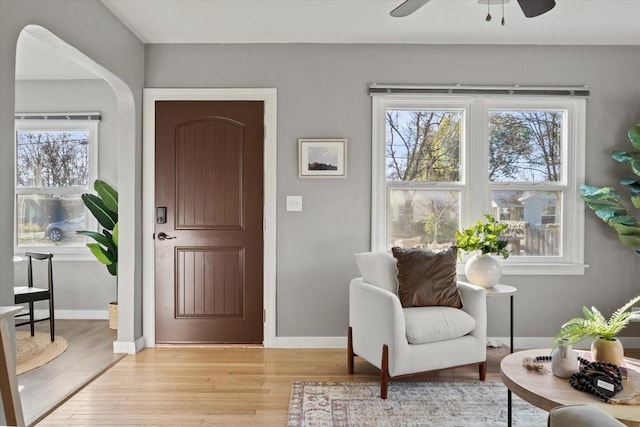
pixel 581 416
pixel 431 324
pixel 23 294
pixel 427 278
pixel 378 269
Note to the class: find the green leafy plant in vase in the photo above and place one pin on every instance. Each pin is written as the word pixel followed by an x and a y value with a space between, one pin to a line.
pixel 605 346
pixel 104 207
pixel 607 203
pixel 483 239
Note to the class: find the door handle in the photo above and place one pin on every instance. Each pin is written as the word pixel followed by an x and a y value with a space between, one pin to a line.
pixel 164 236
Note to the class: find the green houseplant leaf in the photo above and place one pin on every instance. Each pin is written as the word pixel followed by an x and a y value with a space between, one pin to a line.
pixel 104 208
pixel 106 217
pixel 100 253
pixel 593 324
pixel 634 137
pixel 483 237
pixel 108 195
pixel 607 203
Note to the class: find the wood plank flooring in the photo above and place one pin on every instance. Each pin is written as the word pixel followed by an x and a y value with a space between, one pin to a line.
pixel 89 352
pixel 231 386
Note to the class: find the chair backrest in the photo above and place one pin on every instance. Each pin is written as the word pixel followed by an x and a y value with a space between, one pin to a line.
pixel 378 269
pixel 40 257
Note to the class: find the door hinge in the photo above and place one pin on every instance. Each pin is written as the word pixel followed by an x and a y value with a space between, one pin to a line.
pixel 264 316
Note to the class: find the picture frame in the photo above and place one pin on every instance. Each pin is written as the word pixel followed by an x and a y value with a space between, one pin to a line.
pixel 322 158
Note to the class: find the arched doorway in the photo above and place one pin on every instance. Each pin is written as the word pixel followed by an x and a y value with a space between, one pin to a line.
pixel 62 65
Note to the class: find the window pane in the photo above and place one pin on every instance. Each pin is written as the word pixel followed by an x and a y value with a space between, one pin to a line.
pixel 50 220
pixel 534 221
pixel 524 146
pixel 52 158
pixel 427 219
pixel 423 145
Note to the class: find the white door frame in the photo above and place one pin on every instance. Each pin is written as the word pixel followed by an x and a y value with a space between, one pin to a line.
pixel 150 96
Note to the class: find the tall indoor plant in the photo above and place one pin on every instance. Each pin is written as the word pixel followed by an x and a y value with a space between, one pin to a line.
pixel 607 203
pixel 483 239
pixel 104 207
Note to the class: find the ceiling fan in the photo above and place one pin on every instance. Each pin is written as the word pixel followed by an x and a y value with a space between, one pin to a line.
pixel 531 8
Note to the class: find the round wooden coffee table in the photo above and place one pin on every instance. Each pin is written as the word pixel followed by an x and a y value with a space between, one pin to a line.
pixel 546 391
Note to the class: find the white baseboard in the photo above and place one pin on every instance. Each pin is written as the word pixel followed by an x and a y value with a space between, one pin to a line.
pixel 520 343
pixel 130 347
pixel 525 343
pixel 310 342
pixel 73 314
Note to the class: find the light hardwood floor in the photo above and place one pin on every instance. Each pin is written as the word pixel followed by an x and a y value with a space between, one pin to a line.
pixel 89 353
pixel 233 386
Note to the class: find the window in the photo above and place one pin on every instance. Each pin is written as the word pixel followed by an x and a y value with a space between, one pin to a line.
pixel 55 164
pixel 439 162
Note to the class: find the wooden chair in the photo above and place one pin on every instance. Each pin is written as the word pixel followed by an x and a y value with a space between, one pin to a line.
pixel 29 294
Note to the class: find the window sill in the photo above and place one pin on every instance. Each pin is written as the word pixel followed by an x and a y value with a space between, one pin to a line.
pixel 57 256
pixel 537 269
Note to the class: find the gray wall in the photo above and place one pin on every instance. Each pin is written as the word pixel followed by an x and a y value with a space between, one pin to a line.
pixel 79 285
pixel 322 92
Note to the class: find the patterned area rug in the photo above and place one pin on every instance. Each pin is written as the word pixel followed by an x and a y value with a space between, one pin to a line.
pixel 441 404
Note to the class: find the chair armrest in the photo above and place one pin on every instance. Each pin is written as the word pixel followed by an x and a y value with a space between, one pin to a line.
pixel 376 318
pixel 474 299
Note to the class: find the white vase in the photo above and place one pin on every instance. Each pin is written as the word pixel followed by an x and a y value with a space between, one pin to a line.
pixel 483 270
pixel 564 360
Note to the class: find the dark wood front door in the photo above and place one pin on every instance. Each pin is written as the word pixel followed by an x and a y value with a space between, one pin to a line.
pixel 209 261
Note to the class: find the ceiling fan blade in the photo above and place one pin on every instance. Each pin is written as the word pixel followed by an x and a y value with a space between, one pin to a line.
pixel 407 8
pixel 533 8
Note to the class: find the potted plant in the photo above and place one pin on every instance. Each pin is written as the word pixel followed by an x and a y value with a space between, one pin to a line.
pixel 483 239
pixel 104 208
pixel 606 202
pixel 605 346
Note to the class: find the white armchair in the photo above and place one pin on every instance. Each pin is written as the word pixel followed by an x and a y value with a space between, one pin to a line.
pixel 409 341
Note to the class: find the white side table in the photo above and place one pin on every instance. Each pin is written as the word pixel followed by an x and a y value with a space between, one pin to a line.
pixel 506 291
pixel 8 379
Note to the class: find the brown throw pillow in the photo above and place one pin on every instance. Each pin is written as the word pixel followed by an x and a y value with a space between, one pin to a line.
pixel 427 278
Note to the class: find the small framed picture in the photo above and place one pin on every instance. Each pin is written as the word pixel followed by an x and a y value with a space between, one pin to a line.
pixel 322 158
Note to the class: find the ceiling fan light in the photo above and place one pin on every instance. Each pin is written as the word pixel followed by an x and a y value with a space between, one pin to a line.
pixel 533 8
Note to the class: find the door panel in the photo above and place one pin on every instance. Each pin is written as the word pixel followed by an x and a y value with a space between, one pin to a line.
pixel 209 282
pixel 209 175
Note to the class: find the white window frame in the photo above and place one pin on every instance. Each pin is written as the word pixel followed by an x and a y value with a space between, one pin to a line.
pixel 475 186
pixel 76 253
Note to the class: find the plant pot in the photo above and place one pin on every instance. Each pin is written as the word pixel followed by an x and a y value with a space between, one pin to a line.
pixel 483 270
pixel 603 350
pixel 113 315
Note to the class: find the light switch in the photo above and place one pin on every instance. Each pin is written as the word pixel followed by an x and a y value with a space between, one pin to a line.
pixel 294 203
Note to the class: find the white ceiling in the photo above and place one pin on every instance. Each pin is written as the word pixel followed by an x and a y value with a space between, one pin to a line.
pixel 602 22
pixel 346 21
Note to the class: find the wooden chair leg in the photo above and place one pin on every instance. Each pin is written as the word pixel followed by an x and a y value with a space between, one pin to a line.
pixel 482 370
pixel 31 320
pixel 384 372
pixel 350 351
pixel 52 323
